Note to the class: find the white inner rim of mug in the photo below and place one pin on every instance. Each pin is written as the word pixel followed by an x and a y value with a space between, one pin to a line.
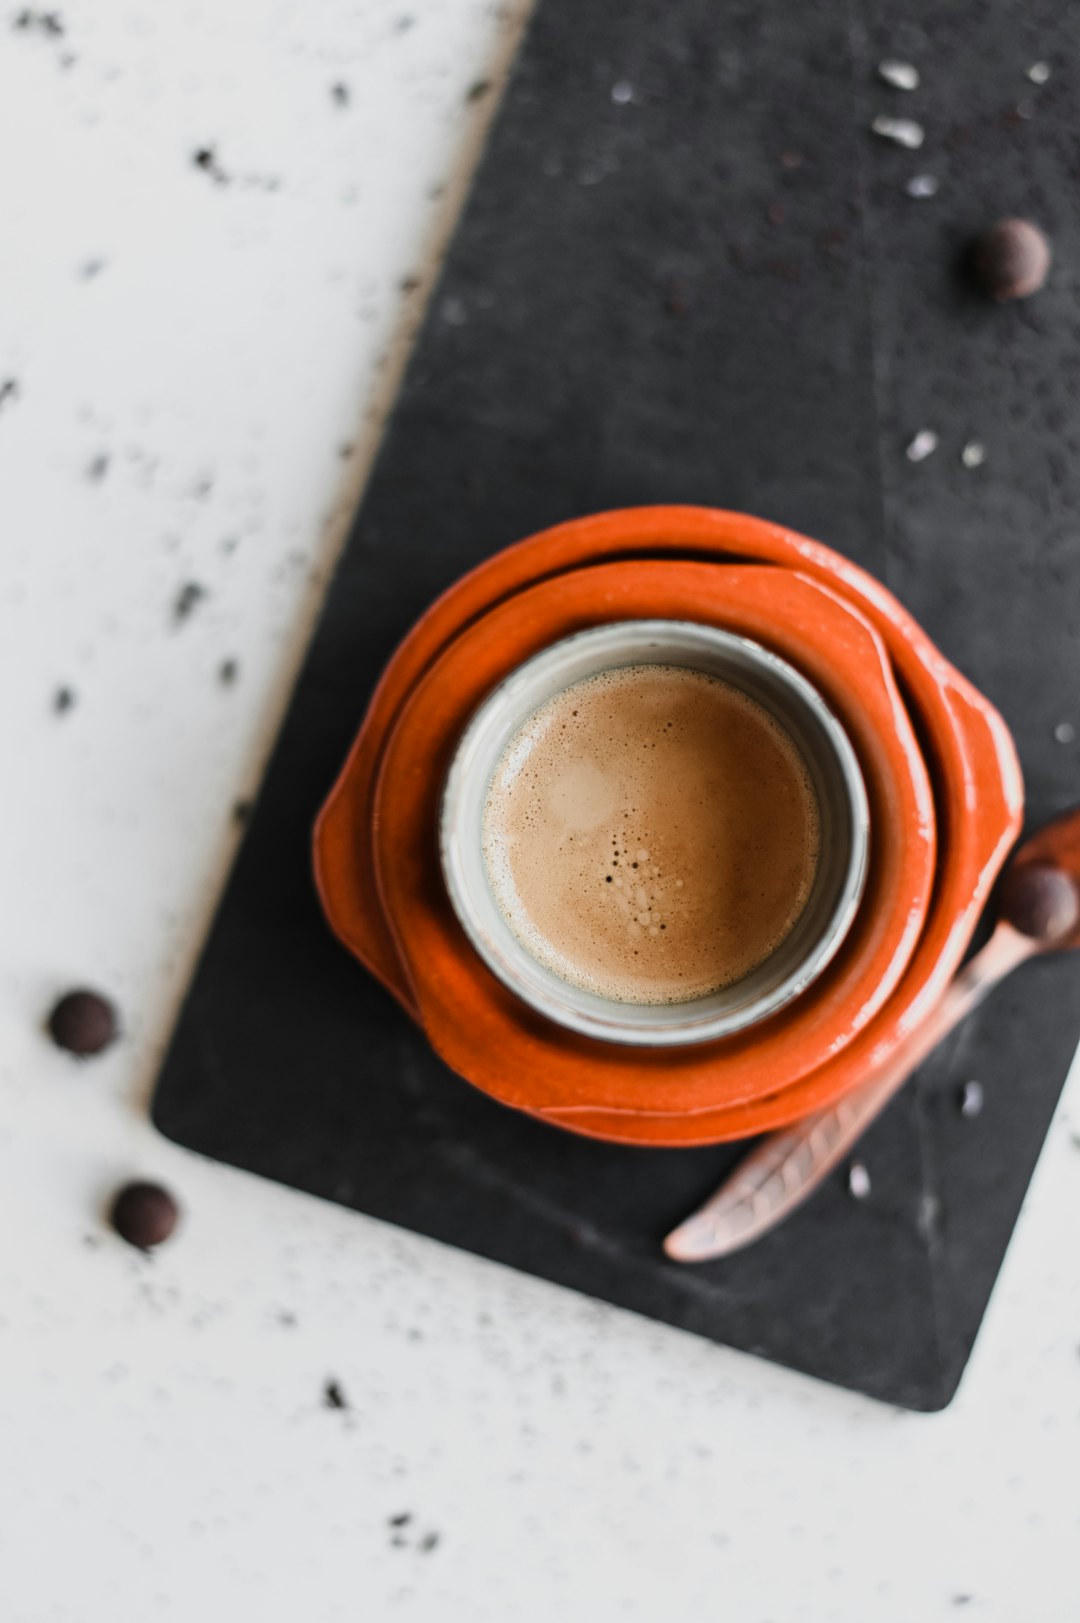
pixel 834 771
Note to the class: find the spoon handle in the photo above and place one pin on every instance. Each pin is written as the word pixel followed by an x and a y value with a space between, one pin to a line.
pixel 787 1166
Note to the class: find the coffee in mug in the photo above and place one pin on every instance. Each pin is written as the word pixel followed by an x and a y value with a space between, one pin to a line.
pixel 654 832
pixel 651 834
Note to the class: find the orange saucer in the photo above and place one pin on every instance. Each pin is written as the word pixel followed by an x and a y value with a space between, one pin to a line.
pixel 830 1040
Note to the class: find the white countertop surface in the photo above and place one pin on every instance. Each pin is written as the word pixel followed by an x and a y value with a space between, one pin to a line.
pixel 166 1451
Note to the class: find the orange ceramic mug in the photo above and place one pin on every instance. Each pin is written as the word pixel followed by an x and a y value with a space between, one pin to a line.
pixel 941 774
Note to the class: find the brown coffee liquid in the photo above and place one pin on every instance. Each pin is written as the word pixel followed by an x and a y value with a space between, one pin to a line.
pixel 651 834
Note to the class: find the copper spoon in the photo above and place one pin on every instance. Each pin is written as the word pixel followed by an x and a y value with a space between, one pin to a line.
pixel 1039 911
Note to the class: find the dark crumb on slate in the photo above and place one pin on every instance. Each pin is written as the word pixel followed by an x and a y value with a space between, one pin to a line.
pixel 187 600
pixel 429 1542
pixel 962 1600
pixel 97 468
pixel 45 22
pixel 83 1023
pixel 289 1320
pixel 144 1214
pixel 477 91
pixel 242 812
pixel 1011 260
pixel 403 25
pixel 334 1397
pixel 91 268
pixel 340 95
pixel 678 296
pixel 64 699
pixel 402 1519
pixel 409 284
pixel 205 158
pixel 228 671
pixel 345 450
pixel 9 390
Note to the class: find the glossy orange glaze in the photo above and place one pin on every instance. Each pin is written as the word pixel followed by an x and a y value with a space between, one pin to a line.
pixel 476 1024
pixel 801 1058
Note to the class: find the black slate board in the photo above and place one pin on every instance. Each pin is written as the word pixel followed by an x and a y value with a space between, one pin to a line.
pixel 718 292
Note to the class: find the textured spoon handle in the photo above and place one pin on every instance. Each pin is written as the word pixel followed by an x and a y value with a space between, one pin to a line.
pixel 787 1166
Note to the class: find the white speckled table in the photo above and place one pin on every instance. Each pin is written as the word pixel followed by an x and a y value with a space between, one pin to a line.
pixel 200 354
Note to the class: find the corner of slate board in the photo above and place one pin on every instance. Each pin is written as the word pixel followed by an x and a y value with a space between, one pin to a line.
pixel 656 308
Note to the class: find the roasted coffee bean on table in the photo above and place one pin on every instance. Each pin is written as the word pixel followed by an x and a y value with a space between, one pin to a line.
pixel 144 1214
pixel 1011 260
pixel 84 1023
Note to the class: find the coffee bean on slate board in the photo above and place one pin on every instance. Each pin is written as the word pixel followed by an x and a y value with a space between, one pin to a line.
pixel 144 1214
pixel 1040 901
pixel 1011 260
pixel 83 1023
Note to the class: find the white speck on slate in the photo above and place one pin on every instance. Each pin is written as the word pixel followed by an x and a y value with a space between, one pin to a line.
pixel 622 92
pixel 973 455
pixel 1025 109
pixel 972 1099
pixel 453 311
pixel 921 186
pixel 858 1181
pixel 1039 72
pixel 904 131
pixel 923 445
pixel 927 1215
pixel 1065 732
pixel 901 75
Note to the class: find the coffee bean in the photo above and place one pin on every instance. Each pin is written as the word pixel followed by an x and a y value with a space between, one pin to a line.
pixel 144 1214
pixel 1040 901
pixel 1011 260
pixel 84 1023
